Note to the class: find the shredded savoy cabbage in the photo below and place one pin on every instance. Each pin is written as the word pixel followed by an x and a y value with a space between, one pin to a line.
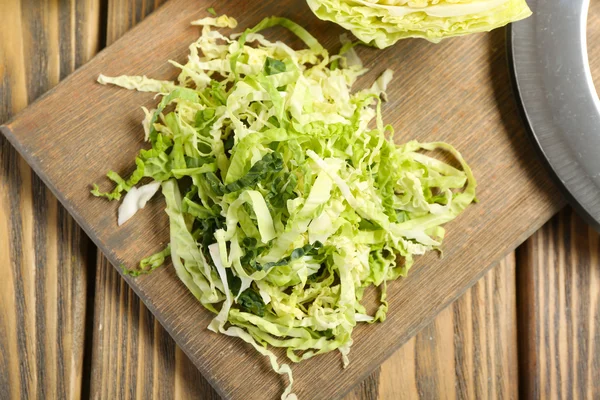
pixel 284 203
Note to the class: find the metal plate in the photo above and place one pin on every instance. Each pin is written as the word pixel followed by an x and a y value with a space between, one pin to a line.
pixel 551 75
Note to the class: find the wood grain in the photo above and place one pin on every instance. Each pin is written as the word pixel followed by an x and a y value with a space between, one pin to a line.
pixel 133 356
pixel 468 352
pixel 124 14
pixel 43 252
pixel 559 310
pixel 515 194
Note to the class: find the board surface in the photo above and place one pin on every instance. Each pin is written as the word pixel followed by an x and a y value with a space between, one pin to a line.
pixel 457 91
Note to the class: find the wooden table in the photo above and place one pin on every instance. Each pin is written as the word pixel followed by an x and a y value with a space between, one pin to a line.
pixel 71 328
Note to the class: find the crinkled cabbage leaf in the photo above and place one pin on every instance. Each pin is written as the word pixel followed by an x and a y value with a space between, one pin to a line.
pixel 382 23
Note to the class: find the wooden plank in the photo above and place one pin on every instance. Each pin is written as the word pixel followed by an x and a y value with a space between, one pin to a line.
pixel 43 253
pixel 468 352
pixel 133 356
pixel 559 310
pixel 124 14
pixel 516 197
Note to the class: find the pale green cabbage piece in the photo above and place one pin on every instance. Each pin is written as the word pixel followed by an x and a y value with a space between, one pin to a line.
pixel 284 203
pixel 382 23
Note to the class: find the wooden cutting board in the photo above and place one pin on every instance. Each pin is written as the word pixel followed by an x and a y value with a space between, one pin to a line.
pixel 457 91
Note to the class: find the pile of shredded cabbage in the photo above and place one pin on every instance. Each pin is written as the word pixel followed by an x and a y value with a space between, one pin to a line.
pixel 284 204
pixel 382 23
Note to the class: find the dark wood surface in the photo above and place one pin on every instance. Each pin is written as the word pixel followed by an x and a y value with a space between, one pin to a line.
pixel 559 310
pixel 469 350
pixel 44 255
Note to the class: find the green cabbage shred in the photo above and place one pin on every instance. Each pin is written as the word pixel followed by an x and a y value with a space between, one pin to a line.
pixel 284 203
